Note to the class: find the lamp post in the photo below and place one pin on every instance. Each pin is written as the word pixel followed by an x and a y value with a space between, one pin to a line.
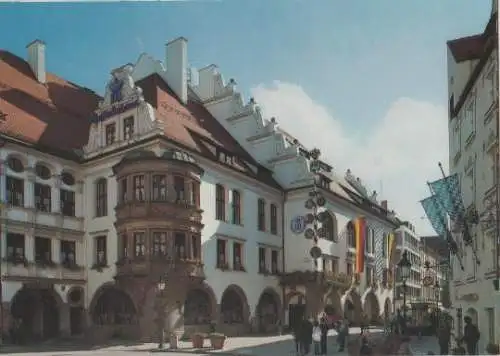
pixel 404 267
pixel 161 312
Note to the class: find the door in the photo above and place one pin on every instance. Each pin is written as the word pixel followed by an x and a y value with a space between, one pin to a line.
pixel 76 320
pixel 296 313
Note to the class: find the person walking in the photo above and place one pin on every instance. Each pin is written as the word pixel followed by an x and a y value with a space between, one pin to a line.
pixel 323 325
pixel 316 337
pixel 471 336
pixel 343 333
pixel 444 336
pixel 297 335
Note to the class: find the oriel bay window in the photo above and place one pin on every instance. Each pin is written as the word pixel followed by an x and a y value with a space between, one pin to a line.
pixel 139 244
pixel 123 191
pixel 159 244
pixel 67 202
pixel 179 188
pixel 43 250
pixel 238 256
pixel 159 187
pixel 139 186
pixel 101 252
pixel 15 248
pixel 180 245
pixel 222 254
pixel 43 199
pixel 68 253
pixel 196 247
pixel 15 191
pixel 194 192
pixel 262 260
pixel 123 252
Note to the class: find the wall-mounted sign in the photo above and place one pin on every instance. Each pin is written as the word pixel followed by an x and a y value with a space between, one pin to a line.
pixel 298 224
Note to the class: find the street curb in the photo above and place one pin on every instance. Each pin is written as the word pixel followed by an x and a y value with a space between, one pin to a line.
pixel 207 351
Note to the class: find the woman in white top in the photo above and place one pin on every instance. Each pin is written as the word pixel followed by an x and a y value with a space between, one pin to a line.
pixel 316 336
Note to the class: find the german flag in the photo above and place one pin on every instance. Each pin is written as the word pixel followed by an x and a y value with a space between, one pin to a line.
pixel 360 237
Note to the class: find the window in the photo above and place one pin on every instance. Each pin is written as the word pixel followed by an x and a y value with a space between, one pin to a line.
pixel 101 253
pixel 42 172
pixel 15 191
pixel 128 128
pixel 68 253
pixel 261 215
pixel 220 203
pixel 139 188
pixel 262 260
pixel 329 227
pixel 351 239
pixel 349 269
pixel 67 179
pixel 123 190
pixel 238 256
pixel 196 246
pixel 43 249
pixel 139 244
pixel 101 197
pixel 15 164
pixel 180 245
pixel 369 275
pixel 179 189
pixel 385 244
pixel 236 207
pixel 67 202
pixel 490 315
pixel 159 187
pixel 195 194
pixel 110 134
pixel 15 248
pixel 221 254
pixel 159 244
pixel 469 123
pixel 274 262
pixel 274 219
pixel 43 199
pixel 335 265
pixel 123 246
pixel 326 264
pixel 456 139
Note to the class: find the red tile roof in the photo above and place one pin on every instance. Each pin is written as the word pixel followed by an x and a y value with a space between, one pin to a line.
pixel 467 48
pixel 54 115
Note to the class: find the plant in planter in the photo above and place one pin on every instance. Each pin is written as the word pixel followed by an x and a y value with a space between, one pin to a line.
pixel 217 340
pixel 198 339
pixel 493 349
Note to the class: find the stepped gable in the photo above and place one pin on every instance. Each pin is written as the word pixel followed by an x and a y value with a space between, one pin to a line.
pixel 194 128
pixel 53 116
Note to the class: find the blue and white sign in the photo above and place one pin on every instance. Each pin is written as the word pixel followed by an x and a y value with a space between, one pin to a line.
pixel 298 224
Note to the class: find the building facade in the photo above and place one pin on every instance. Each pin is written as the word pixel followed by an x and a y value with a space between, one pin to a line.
pixel 473 136
pixel 169 203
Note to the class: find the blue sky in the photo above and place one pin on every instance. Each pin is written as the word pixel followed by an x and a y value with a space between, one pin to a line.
pixel 353 56
pixel 368 76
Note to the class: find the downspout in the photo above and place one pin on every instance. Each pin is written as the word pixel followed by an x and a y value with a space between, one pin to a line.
pixel 283 264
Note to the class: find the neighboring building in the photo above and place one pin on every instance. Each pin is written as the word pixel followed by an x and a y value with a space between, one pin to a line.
pixel 170 180
pixel 473 132
pixel 435 272
pixel 408 241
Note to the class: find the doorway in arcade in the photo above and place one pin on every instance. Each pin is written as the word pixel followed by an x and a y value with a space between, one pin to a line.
pixel 296 310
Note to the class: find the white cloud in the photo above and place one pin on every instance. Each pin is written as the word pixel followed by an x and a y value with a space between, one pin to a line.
pixel 399 152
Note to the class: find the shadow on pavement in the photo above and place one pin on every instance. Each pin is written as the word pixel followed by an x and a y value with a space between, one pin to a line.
pixel 62 345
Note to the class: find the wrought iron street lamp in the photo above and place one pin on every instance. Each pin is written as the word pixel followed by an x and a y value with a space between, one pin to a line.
pixel 404 267
pixel 161 312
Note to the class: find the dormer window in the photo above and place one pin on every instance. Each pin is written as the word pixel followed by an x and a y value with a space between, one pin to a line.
pixel 110 134
pixel 128 128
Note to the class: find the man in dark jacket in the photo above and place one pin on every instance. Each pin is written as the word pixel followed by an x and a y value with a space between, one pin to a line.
pixel 323 324
pixel 471 336
pixel 306 336
pixel 297 334
pixel 444 336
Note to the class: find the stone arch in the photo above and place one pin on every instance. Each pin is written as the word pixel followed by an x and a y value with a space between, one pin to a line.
pixel 295 297
pixel 333 304
pixel 387 308
pixel 371 307
pixel 37 311
pixel 351 306
pixel 472 313
pixel 268 310
pixel 49 165
pixel 330 226
pixel 234 307
pixel 200 305
pixel 112 305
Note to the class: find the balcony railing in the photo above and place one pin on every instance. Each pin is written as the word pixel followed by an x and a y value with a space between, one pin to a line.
pixel 159 267
pixel 20 269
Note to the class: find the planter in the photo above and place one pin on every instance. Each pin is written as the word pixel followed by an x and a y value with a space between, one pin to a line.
pixel 198 340
pixel 217 341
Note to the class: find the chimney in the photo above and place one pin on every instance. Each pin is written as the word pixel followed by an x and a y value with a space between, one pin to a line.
pixel 36 59
pixel 176 61
pixel 383 203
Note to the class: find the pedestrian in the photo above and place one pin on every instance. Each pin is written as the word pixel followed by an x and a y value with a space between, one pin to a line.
pixel 306 336
pixel 297 334
pixel 365 349
pixel 316 337
pixel 323 325
pixel 364 323
pixel 471 336
pixel 343 333
pixel 444 336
